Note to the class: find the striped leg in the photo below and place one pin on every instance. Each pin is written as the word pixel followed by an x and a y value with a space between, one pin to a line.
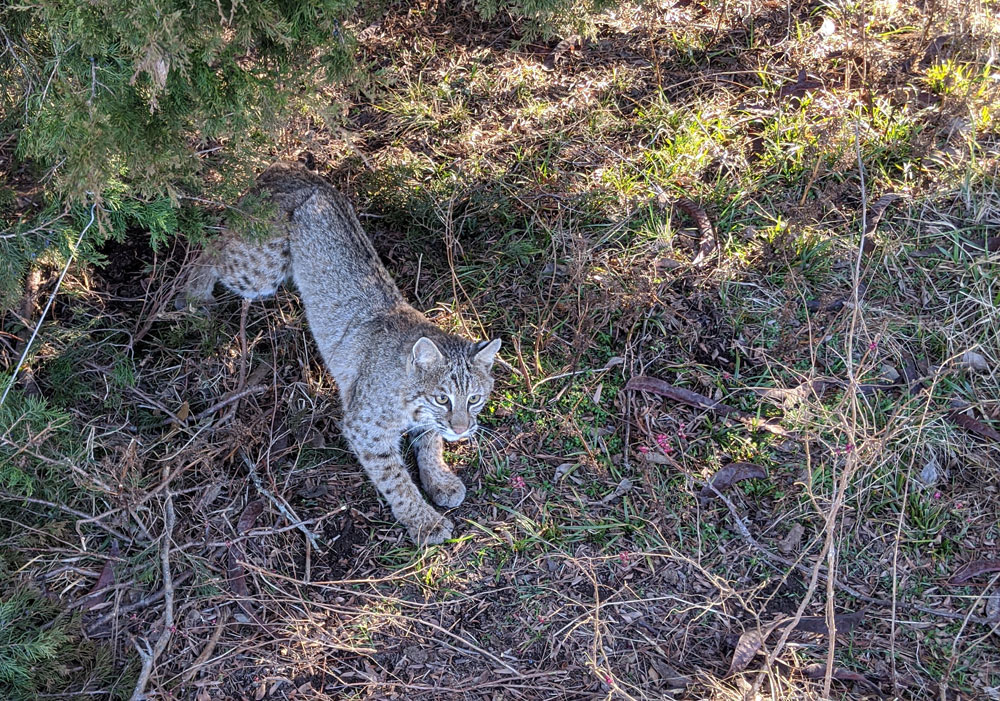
pixel 445 488
pixel 383 461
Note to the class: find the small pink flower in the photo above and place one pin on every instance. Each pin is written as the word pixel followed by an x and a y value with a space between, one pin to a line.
pixel 959 505
pixel 608 680
pixel 517 482
pixel 624 557
pixel 541 619
pixel 664 443
pixel 726 375
pixel 643 449
pixel 872 346
pixel 937 495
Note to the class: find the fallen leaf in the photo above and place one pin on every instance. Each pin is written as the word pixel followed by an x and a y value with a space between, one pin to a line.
pixel 729 475
pixel 623 487
pixel 563 470
pixel 643 383
pixel 872 219
pixel 790 398
pixel 707 243
pixel 234 570
pixel 98 595
pixel 815 305
pixel 960 418
pixel 974 569
pixel 818 671
pixel 752 640
pixel 975 361
pixel 993 608
pixel 935 47
pixel 790 542
pixel 747 646
pixel 567 45
pixel 844 623
pixel 876 211
pixel 803 84
pixel 249 516
pixel 930 473
pixel 990 244
pixel 828 27
pixel 236 574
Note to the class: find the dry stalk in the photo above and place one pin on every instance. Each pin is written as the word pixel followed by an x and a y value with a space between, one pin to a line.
pixel 279 504
pixel 48 305
pixel 146 654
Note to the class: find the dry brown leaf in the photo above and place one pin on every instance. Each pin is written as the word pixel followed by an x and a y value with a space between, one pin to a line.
pixel 991 244
pixel 708 240
pixel 960 418
pixel 790 398
pixel 844 622
pixel 98 595
pixel 993 608
pixel 249 516
pixel 643 383
pixel 790 543
pixel 818 671
pixel 752 640
pixel 234 570
pixel 974 569
pixel 567 45
pixel 975 361
pixel 729 475
pixel 748 645
pixel 803 84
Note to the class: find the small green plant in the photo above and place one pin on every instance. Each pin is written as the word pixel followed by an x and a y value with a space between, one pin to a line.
pixel 42 651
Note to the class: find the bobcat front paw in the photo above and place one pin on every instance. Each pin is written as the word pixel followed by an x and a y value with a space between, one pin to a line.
pixel 448 493
pixel 431 531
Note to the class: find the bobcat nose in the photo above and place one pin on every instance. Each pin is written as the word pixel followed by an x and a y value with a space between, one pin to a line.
pixel 460 424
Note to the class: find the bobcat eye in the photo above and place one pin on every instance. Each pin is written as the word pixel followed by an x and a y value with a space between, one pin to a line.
pixel 474 398
pixel 442 399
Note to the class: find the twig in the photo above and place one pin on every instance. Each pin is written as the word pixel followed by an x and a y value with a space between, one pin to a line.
pixel 282 508
pixel 48 305
pixel 149 656
pixel 73 512
pixel 846 588
pixel 223 403
pixel 209 648
pixel 135 606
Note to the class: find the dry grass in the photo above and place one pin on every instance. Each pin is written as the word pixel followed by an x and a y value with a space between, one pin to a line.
pixel 535 204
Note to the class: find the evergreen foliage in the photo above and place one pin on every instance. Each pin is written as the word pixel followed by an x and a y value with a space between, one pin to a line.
pixel 43 652
pixel 40 441
pixel 149 107
pixel 154 108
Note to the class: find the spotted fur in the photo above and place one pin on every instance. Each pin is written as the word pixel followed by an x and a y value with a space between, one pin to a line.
pixel 397 372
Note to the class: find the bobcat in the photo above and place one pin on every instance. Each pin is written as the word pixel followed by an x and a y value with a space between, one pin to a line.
pixel 397 372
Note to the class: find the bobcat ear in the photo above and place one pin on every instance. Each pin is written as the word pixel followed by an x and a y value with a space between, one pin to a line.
pixel 485 352
pixel 425 353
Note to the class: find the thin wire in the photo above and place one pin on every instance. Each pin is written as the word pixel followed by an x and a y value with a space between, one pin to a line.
pixel 48 305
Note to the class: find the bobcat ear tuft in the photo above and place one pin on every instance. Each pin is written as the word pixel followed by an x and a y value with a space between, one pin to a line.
pixel 485 352
pixel 425 353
